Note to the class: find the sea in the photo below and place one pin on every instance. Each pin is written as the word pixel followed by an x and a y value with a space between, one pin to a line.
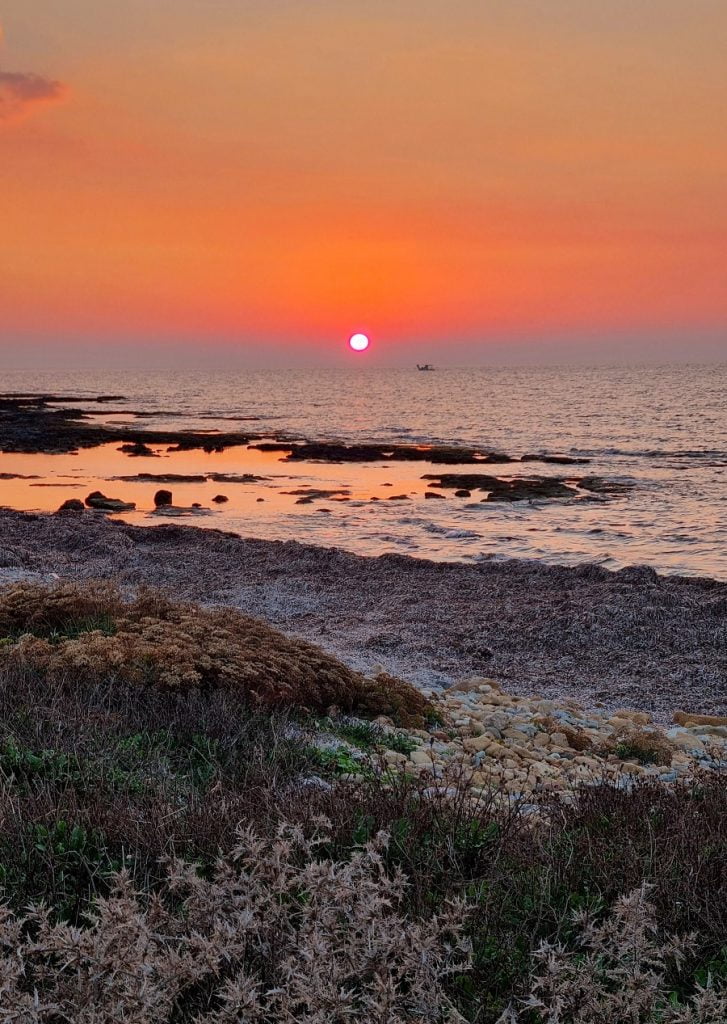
pixel 662 430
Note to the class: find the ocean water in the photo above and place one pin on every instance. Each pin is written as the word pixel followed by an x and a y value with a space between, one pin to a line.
pixel 661 429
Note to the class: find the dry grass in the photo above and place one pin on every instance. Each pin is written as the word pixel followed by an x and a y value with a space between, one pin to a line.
pixel 279 933
pixel 620 972
pixel 634 743
pixel 90 632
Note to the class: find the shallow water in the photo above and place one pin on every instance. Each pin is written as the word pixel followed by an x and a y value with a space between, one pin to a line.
pixel 662 428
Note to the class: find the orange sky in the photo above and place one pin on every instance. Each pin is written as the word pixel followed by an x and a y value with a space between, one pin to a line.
pixel 244 173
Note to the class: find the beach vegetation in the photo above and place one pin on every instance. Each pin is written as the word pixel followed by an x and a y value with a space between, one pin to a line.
pixel 191 852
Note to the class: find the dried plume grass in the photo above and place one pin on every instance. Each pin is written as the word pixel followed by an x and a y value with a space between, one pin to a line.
pixel 279 933
pixel 90 631
pixel 620 974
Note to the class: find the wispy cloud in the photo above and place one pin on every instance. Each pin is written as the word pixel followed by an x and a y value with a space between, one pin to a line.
pixel 22 92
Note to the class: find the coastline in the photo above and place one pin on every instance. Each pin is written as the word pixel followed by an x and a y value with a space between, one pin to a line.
pixel 626 639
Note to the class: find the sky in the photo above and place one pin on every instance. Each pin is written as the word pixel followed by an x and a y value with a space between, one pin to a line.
pixel 465 180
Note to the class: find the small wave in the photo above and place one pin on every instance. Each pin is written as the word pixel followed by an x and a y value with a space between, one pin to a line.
pixel 451 533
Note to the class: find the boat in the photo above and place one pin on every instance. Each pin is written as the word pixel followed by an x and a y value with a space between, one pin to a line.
pixel 424 366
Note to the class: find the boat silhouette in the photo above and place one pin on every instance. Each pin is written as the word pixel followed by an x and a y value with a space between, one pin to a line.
pixel 424 366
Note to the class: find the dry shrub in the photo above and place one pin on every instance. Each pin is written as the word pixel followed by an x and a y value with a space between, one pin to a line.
pixel 278 933
pixel 153 641
pixel 620 973
pixel 32 608
pixel 646 746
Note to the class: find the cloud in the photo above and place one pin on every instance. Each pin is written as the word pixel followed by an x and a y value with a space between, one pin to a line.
pixel 22 92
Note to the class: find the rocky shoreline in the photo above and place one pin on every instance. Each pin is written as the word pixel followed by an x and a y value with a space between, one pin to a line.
pixel 532 750
pixel 606 640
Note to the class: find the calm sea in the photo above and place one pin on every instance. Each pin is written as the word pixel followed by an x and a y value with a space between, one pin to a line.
pixel 663 429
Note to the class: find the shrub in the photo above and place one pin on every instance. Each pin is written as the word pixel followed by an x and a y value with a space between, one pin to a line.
pixel 642 745
pixel 620 971
pixel 152 641
pixel 279 933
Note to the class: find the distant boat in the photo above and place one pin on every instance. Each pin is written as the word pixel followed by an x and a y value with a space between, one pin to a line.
pixel 424 366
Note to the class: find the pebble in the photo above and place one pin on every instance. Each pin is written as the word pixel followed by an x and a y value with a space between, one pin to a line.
pixel 504 743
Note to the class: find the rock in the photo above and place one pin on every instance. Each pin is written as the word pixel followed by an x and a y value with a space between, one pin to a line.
pixel 475 743
pixel 220 499
pixel 526 489
pixel 162 498
pixel 433 494
pixel 710 731
pixel 597 485
pixel 98 500
pixel 557 460
pixel 72 505
pixel 137 448
pixel 394 757
pixel 475 684
pixel 462 493
pixel 421 757
pixel 499 489
pixel 463 481
pixel 690 718
pixel 398 497
pixel 637 717
pixel 235 478
pixel 164 478
pixel 179 511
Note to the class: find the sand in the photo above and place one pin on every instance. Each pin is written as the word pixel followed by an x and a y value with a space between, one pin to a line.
pixel 626 639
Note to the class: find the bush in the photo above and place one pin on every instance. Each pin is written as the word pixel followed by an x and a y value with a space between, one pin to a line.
pixel 278 932
pixel 152 641
pixel 646 746
pixel 619 971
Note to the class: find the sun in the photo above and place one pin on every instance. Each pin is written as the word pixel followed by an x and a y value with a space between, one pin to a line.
pixel 358 342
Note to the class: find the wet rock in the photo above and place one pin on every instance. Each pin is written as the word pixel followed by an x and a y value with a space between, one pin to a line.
pixel 137 448
pixel 72 505
pixel 179 511
pixel 220 499
pixel 524 489
pixel 316 493
pixel 327 451
pixel 462 493
pixel 164 478
pixel 433 494
pixel 188 444
pixel 598 485
pixel 463 481
pixel 398 497
pixel 556 460
pixel 98 500
pixel 162 498
pixel 235 478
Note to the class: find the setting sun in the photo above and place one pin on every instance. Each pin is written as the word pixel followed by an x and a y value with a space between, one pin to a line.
pixel 358 342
